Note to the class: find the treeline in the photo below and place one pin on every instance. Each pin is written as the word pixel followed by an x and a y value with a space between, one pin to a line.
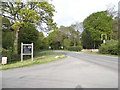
pixel 28 22
pixel 65 38
pixel 97 31
pixel 89 34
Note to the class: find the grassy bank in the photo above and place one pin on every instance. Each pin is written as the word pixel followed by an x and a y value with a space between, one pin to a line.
pixel 40 58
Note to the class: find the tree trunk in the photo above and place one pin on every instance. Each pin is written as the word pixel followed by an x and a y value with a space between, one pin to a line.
pixel 74 42
pixel 94 45
pixel 16 42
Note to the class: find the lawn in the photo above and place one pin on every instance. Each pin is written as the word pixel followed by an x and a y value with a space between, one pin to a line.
pixel 40 58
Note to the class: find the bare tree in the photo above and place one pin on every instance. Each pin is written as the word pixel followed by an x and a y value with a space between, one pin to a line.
pixel 111 10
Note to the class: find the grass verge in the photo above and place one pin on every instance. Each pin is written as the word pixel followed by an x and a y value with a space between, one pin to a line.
pixel 97 53
pixel 41 57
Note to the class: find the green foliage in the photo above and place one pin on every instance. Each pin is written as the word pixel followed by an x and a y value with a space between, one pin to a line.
pixel 19 13
pixel 110 47
pixel 17 25
pixel 45 44
pixel 28 35
pixel 87 42
pixel 42 43
pixel 115 30
pixel 7 34
pixel 7 39
pixel 10 55
pixel 29 15
pixel 95 25
pixel 5 24
pixel 55 39
pixel 72 33
pixel 66 43
pixel 75 48
pixel 64 36
pixel 34 12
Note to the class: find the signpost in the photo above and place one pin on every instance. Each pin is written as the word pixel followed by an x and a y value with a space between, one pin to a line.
pixel 26 49
pixel 4 60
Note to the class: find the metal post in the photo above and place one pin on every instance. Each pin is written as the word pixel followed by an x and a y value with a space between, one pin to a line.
pixel 21 52
pixel 103 41
pixel 32 52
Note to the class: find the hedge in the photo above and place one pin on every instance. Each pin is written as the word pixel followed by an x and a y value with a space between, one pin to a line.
pixel 110 47
pixel 75 48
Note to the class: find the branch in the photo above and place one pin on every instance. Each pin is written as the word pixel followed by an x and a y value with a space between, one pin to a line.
pixel 7 16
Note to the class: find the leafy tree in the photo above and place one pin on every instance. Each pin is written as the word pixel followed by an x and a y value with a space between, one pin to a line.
pixel 66 43
pixel 5 24
pixel 19 13
pixel 7 40
pixel 7 34
pixel 78 26
pixel 114 34
pixel 28 34
pixel 45 44
pixel 95 25
pixel 55 39
pixel 42 42
pixel 73 33
pixel 64 36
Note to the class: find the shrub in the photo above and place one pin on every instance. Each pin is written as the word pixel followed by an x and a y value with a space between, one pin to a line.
pixel 110 47
pixel 75 48
pixel 10 55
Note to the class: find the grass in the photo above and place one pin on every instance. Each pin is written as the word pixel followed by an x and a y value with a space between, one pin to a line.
pixel 41 58
pixel 69 51
pixel 97 53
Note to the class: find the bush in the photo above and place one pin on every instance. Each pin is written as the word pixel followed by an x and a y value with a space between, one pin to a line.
pixel 10 55
pixel 110 47
pixel 75 48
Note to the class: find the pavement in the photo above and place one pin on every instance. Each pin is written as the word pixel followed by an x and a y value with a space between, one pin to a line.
pixel 78 70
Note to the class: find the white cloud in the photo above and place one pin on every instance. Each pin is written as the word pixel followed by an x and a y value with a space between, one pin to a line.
pixel 70 11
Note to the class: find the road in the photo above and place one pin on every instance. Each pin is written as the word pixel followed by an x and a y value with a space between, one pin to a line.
pixel 78 70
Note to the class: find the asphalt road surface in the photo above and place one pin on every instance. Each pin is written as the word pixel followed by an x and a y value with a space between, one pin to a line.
pixel 78 70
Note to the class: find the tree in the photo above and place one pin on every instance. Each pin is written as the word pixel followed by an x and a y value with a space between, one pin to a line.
pixel 28 34
pixel 55 39
pixel 66 43
pixel 42 42
pixel 78 26
pixel 7 34
pixel 7 40
pixel 111 10
pixel 73 33
pixel 94 25
pixel 19 13
pixel 65 36
pixel 5 24
pixel 45 44
pixel 75 30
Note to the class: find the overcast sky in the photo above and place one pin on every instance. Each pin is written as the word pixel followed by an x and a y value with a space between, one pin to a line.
pixel 71 11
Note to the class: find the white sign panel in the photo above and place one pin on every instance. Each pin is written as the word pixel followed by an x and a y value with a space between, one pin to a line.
pixel 4 60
